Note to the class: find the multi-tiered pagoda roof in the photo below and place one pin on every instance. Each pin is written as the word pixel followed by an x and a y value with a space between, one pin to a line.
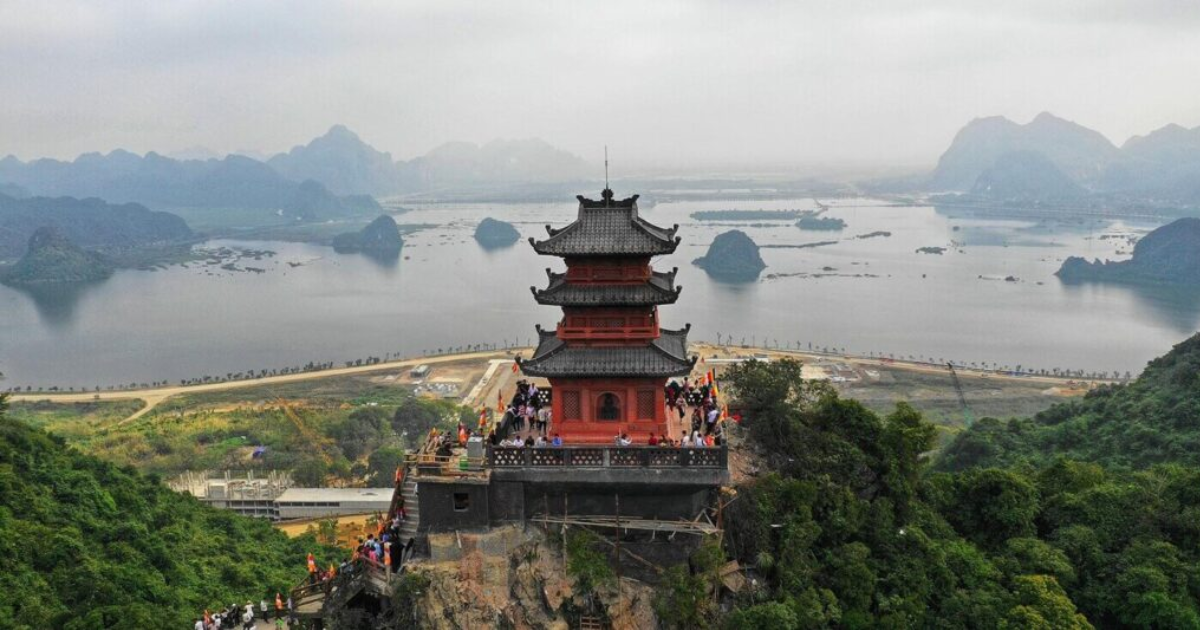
pixel 608 228
pixel 663 357
pixel 659 289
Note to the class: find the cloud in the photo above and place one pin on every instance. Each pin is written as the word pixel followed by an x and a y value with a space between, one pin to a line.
pixel 705 82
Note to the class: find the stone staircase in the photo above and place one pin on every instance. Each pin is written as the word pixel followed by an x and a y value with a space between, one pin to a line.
pixel 408 529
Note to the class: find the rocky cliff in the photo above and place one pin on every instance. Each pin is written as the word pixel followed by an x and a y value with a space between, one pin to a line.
pixel 509 578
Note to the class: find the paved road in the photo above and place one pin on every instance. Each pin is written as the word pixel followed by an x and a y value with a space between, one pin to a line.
pixel 156 395
pixel 502 375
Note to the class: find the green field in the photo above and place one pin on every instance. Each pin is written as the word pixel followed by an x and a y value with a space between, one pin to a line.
pixel 345 428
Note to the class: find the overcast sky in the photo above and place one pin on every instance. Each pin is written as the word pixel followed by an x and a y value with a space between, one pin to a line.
pixel 662 83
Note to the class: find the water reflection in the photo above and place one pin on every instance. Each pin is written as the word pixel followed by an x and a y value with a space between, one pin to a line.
pixel 1174 306
pixel 57 304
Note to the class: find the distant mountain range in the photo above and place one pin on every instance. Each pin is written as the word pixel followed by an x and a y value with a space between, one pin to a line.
pixel 164 183
pixel 88 223
pixel 346 165
pixel 1052 159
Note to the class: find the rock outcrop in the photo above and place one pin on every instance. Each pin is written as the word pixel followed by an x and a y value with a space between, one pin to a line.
pixel 492 233
pixel 509 578
pixel 53 259
pixel 733 256
pixel 381 237
pixel 1168 255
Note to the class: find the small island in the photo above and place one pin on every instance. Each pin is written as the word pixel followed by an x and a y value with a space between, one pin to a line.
pixel 493 234
pixel 830 224
pixel 380 238
pixel 733 256
pixel 53 259
pixel 931 250
pixel 1167 255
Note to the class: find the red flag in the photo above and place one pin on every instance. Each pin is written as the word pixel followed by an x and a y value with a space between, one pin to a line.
pixel 515 367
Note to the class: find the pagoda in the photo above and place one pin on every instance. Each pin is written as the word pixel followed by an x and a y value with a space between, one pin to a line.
pixel 608 360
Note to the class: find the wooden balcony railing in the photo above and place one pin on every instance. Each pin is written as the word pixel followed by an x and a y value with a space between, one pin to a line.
pixel 606 457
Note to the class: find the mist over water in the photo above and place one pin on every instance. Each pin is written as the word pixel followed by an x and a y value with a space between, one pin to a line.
pixel 862 294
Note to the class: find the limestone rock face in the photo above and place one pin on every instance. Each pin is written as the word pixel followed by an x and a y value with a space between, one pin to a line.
pixel 509 578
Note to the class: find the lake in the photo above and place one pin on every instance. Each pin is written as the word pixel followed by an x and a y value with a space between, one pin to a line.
pixel 862 294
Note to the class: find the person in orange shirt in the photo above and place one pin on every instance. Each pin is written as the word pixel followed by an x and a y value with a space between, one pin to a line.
pixel 312 568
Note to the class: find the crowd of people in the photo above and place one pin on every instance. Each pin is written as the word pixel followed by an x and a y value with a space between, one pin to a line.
pixel 235 616
pixel 527 418
pixel 383 547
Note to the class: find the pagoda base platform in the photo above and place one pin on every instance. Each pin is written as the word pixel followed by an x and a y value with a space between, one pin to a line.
pixel 606 432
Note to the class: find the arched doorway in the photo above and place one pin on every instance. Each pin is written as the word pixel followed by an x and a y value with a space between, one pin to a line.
pixel 608 407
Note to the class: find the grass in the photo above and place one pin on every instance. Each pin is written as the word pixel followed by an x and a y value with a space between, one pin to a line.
pixel 221 429
pixel 934 396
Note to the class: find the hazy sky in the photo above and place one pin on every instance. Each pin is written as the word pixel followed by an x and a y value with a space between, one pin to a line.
pixel 662 83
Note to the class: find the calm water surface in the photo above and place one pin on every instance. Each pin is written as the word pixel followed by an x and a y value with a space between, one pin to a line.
pixel 866 295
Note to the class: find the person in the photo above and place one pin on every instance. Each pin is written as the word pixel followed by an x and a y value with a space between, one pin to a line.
pixel 709 440
pixel 557 441
pixel 529 441
pixel 697 440
pixel 199 625
pixel 653 439
pixel 540 442
pixel 248 618
pixel 312 568
pixel 262 608
pixel 687 441
pixel 493 439
pixel 278 605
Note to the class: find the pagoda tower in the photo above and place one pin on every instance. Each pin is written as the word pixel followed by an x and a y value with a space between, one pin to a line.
pixel 608 360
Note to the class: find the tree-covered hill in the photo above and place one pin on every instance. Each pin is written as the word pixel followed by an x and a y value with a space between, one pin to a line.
pixel 848 529
pixel 86 544
pixel 1153 420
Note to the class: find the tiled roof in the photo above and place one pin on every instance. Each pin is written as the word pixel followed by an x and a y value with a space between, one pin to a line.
pixel 659 289
pixel 608 228
pixel 663 357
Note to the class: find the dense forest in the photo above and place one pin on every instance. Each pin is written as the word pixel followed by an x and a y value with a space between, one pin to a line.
pixel 1153 420
pixel 87 544
pixel 850 529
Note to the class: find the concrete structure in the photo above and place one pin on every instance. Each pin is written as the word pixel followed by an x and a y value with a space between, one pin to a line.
pixel 297 503
pixel 273 496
